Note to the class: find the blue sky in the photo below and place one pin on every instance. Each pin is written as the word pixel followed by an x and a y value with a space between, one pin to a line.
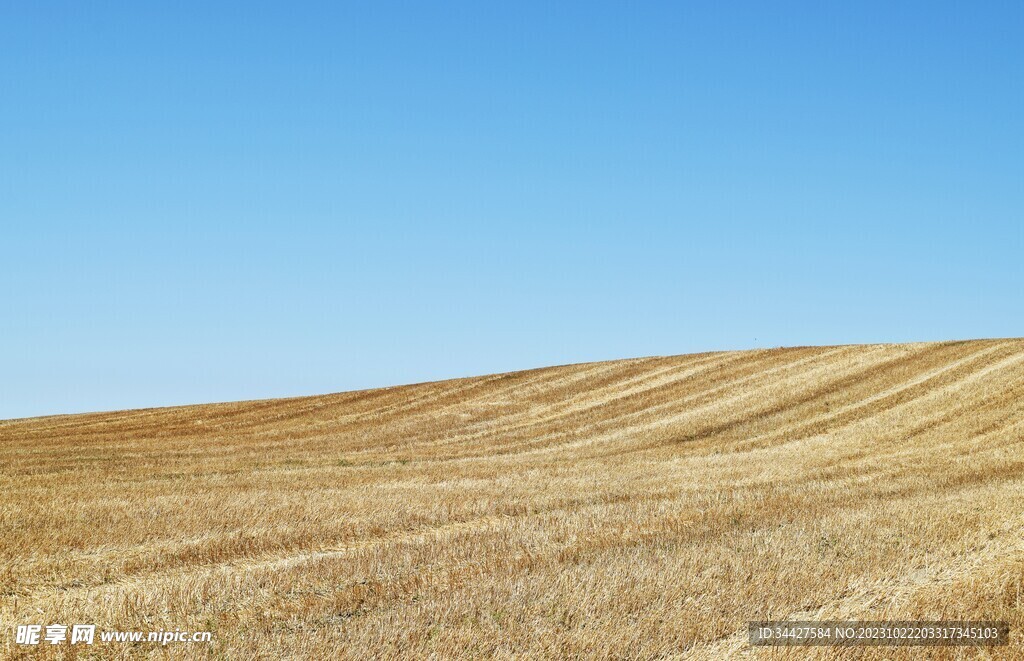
pixel 218 201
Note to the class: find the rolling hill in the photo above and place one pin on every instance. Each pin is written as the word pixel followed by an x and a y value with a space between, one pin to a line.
pixel 633 508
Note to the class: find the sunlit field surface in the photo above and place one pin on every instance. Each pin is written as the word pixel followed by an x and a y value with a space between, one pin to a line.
pixel 636 508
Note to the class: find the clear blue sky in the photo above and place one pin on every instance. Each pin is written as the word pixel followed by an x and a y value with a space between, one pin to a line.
pixel 218 201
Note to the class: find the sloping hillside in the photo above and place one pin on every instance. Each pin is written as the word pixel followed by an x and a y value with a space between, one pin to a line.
pixel 631 508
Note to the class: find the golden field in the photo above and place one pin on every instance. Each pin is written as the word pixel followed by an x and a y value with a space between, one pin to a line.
pixel 631 509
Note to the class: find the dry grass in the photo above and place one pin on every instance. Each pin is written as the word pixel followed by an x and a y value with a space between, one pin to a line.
pixel 637 508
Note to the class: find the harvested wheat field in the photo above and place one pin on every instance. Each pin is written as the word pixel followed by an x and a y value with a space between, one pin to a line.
pixel 635 508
